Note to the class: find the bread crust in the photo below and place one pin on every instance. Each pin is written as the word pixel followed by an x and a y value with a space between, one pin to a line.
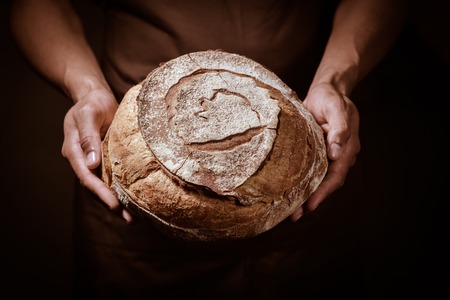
pixel 212 146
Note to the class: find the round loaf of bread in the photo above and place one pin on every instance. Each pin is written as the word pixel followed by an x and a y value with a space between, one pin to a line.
pixel 212 146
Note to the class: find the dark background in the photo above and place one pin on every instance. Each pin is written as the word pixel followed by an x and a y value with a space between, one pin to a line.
pixel 402 170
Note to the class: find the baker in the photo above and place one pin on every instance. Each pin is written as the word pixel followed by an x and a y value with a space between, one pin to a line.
pixel 321 49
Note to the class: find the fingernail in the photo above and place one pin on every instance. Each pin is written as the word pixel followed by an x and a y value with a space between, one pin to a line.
pixel 126 215
pixel 335 150
pixel 91 158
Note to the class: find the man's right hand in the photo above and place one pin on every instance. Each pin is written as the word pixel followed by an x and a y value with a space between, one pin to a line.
pixel 85 124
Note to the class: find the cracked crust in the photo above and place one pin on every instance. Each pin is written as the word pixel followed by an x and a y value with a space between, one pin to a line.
pixel 212 145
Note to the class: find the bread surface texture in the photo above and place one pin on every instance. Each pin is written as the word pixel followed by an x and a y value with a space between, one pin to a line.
pixel 213 146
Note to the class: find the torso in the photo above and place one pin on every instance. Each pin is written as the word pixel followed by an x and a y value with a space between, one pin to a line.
pixel 285 36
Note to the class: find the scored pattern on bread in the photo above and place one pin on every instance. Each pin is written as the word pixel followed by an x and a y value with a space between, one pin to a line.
pixel 212 145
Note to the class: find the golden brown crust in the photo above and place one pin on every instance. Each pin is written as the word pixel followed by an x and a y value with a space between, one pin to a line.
pixel 253 152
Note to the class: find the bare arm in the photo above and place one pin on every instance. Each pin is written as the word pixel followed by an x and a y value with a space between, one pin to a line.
pixel 363 32
pixel 50 35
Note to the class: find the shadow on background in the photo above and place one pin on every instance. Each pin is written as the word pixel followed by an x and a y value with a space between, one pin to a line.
pixel 402 170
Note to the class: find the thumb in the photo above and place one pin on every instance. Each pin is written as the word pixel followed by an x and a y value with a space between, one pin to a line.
pixel 338 134
pixel 334 149
pixel 91 145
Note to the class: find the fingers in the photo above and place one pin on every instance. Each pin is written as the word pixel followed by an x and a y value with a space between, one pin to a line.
pixel 333 112
pixel 338 117
pixel 337 171
pixel 77 159
pixel 339 128
pixel 335 178
pixel 127 216
pixel 82 148
pixel 90 180
pixel 297 214
pixel 93 183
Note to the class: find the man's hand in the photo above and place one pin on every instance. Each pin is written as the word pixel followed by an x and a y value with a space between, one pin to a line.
pixel 85 124
pixel 338 117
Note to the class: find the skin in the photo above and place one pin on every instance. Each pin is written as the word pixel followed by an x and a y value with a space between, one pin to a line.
pixel 363 32
pixel 50 35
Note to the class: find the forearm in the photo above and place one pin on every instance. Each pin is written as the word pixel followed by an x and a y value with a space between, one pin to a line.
pixel 363 31
pixel 51 37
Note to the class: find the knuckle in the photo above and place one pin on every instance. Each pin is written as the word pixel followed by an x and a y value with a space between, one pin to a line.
pixel 87 108
pixel 86 141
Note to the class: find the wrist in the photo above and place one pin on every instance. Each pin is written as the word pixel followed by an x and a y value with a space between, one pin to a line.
pixel 77 84
pixel 342 77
